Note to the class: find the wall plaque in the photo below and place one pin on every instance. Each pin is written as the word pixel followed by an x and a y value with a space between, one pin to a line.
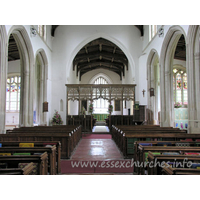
pixel 45 106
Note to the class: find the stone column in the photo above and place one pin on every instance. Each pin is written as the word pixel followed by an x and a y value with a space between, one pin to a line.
pixel 66 105
pixel 3 77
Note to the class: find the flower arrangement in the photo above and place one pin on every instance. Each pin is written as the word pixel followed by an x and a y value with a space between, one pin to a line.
pixel 91 108
pixel 110 108
pixel 83 110
pixel 56 118
pixel 177 105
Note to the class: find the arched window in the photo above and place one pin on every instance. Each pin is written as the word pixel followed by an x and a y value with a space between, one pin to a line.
pixel 180 86
pixel 42 31
pixel 100 105
pixel 152 31
pixel 13 93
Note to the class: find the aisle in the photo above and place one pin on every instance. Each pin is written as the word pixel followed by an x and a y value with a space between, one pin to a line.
pixel 100 129
pixel 96 149
pixel 96 156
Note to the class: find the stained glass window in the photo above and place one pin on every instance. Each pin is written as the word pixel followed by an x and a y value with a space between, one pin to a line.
pixel 180 86
pixel 185 88
pixel 13 93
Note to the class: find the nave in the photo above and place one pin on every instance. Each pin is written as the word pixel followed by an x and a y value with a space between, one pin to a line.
pixel 65 149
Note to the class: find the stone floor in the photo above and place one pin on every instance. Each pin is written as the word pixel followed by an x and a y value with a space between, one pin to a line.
pixel 96 149
pixel 98 153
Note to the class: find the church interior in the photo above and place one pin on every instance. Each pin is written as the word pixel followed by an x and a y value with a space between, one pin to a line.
pixel 106 103
pixel 133 84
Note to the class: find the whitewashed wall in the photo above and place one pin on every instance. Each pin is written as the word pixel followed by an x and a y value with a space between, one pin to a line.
pixel 39 44
pixel 69 40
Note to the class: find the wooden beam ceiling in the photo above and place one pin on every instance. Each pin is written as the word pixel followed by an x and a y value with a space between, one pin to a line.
pixel 13 52
pixel 100 54
pixel 180 52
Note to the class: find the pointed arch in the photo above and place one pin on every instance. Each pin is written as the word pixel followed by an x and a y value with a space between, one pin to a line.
pixel 41 71
pixel 193 72
pixel 166 84
pixel 101 75
pixel 27 73
pixel 153 82
pixel 131 62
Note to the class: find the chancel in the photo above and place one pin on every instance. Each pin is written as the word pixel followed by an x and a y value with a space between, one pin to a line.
pixel 100 93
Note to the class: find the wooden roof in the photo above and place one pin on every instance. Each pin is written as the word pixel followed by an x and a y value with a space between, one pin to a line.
pixel 100 53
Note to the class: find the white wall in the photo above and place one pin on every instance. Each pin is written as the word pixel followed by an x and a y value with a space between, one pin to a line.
pixel 14 67
pixel 179 62
pixel 86 78
pixel 69 40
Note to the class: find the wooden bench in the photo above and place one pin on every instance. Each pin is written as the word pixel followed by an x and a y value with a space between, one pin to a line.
pixel 156 169
pixel 27 170
pixel 168 170
pixel 74 132
pixel 40 144
pixel 67 140
pixel 159 149
pixel 41 160
pixel 126 141
pixel 119 132
pixel 163 143
pixel 51 151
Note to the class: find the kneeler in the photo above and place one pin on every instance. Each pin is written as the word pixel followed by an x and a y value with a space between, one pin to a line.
pixel 170 153
pixel 146 155
pixel 145 144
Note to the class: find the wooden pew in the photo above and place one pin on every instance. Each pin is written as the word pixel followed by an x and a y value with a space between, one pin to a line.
pixel 41 160
pixel 74 132
pixel 40 144
pixel 163 143
pixel 67 140
pixel 168 170
pixel 27 170
pixel 117 134
pixel 51 151
pixel 126 141
pixel 145 149
pixel 162 159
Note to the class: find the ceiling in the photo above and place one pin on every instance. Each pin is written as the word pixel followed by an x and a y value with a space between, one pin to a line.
pixel 180 52
pixel 100 53
pixel 53 28
pixel 13 53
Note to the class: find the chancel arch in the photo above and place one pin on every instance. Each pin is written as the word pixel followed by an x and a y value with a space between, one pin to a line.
pixel 100 54
pixel 131 63
pixel 153 77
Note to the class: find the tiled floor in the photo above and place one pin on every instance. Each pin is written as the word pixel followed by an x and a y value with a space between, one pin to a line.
pixel 96 149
